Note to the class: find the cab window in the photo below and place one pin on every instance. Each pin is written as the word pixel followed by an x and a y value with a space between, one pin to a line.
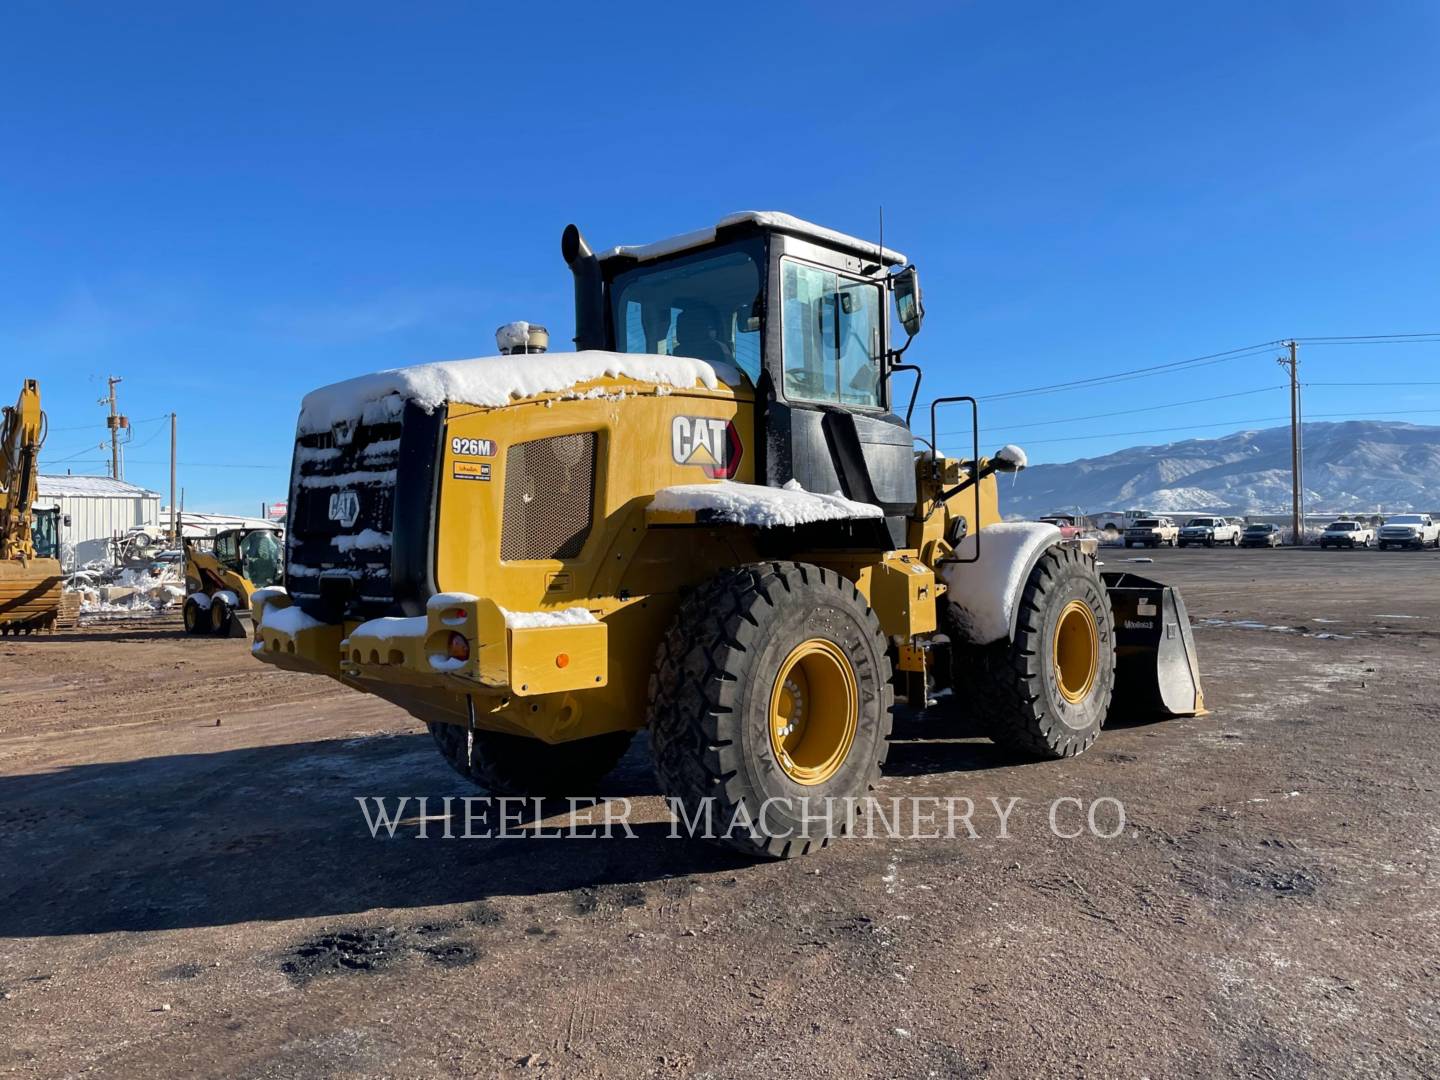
pixel 226 550
pixel 704 306
pixel 831 332
pixel 261 552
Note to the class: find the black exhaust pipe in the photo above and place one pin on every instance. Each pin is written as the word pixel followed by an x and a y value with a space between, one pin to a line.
pixel 589 290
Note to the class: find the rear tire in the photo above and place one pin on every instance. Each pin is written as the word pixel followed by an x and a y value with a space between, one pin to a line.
pixel 1039 694
pixel 516 765
pixel 771 691
pixel 196 618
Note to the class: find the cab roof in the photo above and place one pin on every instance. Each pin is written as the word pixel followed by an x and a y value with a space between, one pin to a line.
pixel 760 219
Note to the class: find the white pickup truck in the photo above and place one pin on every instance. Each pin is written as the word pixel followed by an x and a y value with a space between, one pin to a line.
pixel 1210 531
pixel 1152 532
pixel 1350 534
pixel 1409 530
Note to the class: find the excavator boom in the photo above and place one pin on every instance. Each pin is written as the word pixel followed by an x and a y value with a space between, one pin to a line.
pixel 29 586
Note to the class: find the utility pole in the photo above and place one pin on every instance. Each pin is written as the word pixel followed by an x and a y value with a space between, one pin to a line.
pixel 1297 488
pixel 116 423
pixel 174 512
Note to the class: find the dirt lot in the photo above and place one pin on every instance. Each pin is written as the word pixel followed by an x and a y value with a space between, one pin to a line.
pixel 187 886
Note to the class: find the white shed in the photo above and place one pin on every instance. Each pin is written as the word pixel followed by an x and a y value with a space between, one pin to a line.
pixel 98 508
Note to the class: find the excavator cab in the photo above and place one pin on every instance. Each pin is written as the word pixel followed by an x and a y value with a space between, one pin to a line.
pixel 45 532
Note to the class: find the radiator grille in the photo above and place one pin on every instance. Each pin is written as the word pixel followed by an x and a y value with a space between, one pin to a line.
pixel 549 494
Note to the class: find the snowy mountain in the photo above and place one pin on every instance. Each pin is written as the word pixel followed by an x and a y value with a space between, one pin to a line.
pixel 1356 465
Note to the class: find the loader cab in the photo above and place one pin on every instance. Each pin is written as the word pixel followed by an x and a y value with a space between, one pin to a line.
pixel 799 316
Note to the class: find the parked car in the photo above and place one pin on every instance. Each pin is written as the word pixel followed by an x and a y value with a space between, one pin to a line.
pixel 1065 523
pixel 1409 530
pixel 1267 535
pixel 1351 534
pixel 1152 532
pixel 1210 531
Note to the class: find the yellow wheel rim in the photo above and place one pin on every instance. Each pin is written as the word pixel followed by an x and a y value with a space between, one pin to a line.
pixel 814 712
pixel 1076 651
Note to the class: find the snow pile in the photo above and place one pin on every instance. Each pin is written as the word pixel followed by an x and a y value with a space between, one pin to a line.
pixel 529 620
pixel 492 381
pixel 1014 456
pixel 983 594
pixel 134 591
pixel 513 335
pixel 759 506
pixel 365 540
pixel 270 592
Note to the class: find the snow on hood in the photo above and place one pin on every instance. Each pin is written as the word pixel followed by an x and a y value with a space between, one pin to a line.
pixel 494 381
pixel 761 507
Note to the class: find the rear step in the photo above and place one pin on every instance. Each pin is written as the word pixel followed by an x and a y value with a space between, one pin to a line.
pixel 1156 669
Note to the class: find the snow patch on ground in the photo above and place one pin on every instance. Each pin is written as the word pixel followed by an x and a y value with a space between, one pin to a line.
pixel 983 594
pixel 761 507
pixel 491 381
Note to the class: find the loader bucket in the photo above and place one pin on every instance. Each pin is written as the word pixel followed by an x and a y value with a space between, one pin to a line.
pixel 1156 669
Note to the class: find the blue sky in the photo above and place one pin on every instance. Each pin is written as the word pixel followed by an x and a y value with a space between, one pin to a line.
pixel 229 205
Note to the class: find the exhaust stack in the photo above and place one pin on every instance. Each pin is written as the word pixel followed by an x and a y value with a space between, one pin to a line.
pixel 589 290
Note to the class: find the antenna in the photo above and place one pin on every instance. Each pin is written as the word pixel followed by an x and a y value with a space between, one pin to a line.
pixel 882 236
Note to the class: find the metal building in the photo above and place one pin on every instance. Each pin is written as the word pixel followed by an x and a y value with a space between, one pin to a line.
pixel 98 508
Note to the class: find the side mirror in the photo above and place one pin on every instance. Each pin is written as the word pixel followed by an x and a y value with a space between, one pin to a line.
pixel 907 300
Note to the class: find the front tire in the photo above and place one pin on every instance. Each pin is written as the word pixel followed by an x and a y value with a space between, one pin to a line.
pixel 196 618
pixel 516 765
pixel 771 707
pixel 1046 692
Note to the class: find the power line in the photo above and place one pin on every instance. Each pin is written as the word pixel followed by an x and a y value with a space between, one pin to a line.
pixel 1328 339
pixel 1372 384
pixel 1119 412
pixel 1140 373
pixel 210 465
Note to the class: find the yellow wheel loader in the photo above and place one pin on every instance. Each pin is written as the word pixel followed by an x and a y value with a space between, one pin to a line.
pixel 709 521
pixel 30 577
pixel 222 575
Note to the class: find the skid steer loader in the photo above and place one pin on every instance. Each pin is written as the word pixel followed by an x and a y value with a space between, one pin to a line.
pixel 708 520
pixel 223 573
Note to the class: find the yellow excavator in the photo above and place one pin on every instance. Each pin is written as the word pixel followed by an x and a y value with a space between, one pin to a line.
pixel 711 520
pixel 30 580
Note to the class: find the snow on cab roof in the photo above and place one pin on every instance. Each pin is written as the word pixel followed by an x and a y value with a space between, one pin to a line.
pixel 769 219
pixel 54 486
pixel 494 381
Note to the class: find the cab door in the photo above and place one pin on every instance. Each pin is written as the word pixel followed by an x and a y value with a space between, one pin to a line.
pixel 829 426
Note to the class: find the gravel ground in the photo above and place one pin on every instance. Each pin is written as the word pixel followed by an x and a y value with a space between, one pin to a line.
pixel 187 886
